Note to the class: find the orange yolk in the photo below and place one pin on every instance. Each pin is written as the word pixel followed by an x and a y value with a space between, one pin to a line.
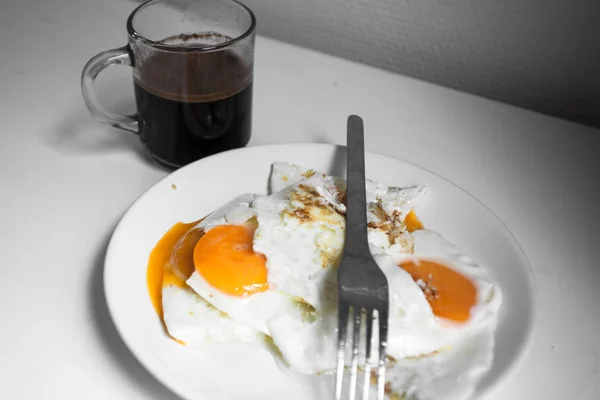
pixel 225 259
pixel 181 264
pixel 450 294
pixel 171 261
pixel 412 222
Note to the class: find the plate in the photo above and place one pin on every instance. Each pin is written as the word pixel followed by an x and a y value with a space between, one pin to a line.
pixel 247 371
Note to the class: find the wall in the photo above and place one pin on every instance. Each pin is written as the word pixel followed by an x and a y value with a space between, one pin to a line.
pixel 538 54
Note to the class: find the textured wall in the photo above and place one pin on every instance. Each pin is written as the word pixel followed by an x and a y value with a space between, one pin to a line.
pixel 538 54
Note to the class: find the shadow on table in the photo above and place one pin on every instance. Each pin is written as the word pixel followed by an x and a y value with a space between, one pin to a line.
pixel 78 133
pixel 112 342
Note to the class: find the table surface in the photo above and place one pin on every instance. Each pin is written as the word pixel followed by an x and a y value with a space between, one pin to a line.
pixel 67 180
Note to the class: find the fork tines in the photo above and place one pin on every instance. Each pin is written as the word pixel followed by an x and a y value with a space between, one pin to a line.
pixel 355 344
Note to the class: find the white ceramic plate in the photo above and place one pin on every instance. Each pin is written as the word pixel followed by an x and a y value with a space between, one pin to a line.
pixel 248 372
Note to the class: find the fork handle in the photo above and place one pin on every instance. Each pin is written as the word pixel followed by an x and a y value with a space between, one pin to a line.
pixel 356 211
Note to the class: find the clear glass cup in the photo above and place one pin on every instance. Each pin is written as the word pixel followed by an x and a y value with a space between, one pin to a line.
pixel 193 63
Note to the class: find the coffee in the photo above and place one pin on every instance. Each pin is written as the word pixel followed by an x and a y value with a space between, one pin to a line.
pixel 193 104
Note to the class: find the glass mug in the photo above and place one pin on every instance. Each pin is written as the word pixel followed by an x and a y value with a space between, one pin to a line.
pixel 193 63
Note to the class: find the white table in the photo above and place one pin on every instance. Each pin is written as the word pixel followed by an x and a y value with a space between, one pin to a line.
pixel 66 181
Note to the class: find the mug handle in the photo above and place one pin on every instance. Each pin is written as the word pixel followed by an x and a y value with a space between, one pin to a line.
pixel 97 64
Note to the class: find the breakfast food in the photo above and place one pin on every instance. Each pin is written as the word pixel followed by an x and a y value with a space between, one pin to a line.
pixel 264 266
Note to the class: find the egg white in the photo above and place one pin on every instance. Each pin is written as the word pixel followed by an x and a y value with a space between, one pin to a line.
pixel 234 212
pixel 193 321
pixel 252 311
pixel 393 202
pixel 301 252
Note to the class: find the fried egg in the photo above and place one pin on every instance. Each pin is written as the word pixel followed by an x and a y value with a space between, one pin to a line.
pixel 231 274
pixel 440 298
pixel 464 303
pixel 187 316
pixel 437 296
pixel 267 265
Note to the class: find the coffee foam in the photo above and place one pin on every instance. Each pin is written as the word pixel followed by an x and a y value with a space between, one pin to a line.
pixel 194 74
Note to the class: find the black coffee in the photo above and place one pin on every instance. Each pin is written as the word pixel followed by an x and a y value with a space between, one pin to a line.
pixel 192 105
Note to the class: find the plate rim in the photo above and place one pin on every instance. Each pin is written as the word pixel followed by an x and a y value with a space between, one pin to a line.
pixel 515 364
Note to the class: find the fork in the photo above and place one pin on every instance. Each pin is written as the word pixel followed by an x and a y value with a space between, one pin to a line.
pixel 362 286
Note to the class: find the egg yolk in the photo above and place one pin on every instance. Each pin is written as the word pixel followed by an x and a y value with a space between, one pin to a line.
pixel 412 222
pixel 181 263
pixel 225 259
pixel 171 262
pixel 168 262
pixel 450 294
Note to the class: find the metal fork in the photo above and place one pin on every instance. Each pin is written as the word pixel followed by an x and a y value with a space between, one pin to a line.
pixel 362 286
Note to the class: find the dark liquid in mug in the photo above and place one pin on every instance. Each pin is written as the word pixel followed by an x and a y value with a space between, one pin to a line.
pixel 192 105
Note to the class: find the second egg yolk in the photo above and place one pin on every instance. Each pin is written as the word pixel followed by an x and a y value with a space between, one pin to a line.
pixel 224 257
pixel 450 293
